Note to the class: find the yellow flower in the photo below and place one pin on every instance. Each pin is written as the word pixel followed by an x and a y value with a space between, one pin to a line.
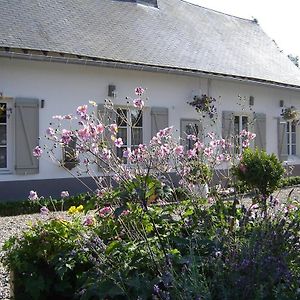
pixel 79 208
pixel 72 210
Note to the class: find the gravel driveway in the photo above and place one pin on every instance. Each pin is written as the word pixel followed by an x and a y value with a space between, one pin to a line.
pixel 10 226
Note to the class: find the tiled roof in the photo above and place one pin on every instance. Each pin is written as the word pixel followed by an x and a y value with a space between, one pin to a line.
pixel 177 34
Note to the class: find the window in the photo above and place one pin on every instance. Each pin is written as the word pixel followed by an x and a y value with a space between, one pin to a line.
pixel 189 127
pixel 130 128
pixel 240 123
pixel 5 136
pixel 291 138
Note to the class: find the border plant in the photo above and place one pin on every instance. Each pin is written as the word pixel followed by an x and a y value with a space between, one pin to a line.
pixel 138 243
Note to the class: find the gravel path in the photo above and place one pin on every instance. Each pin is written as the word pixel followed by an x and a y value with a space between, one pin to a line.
pixel 10 226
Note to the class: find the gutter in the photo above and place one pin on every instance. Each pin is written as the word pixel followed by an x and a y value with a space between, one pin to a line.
pixel 93 61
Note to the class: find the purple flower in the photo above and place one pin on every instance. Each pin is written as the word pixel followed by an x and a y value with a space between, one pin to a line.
pixel 57 117
pixel 33 196
pixel 178 150
pixel 113 128
pixel 82 110
pixel 119 142
pixel 89 221
pixel 44 210
pixel 139 91
pixel 50 131
pixel 105 211
pixel 64 194
pixel 37 151
pixel 138 103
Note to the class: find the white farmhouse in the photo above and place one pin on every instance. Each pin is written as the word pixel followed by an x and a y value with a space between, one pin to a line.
pixel 57 55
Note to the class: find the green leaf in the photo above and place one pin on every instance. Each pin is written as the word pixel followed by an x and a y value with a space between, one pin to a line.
pixel 111 247
pixel 188 212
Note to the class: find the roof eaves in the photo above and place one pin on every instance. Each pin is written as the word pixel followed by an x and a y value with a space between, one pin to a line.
pixel 45 55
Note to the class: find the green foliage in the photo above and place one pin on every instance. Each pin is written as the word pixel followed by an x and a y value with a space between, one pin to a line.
pixel 199 173
pixel 289 181
pixel 42 260
pixel 30 207
pixel 188 250
pixel 260 171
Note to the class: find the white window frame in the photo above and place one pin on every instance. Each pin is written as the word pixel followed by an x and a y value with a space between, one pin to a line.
pixel 289 132
pixel 9 134
pixel 129 127
pixel 238 141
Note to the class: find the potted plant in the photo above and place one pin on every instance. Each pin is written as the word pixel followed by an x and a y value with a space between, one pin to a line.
pixel 205 105
pixel 290 114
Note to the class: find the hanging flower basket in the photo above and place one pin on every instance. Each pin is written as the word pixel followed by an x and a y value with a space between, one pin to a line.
pixel 290 114
pixel 204 104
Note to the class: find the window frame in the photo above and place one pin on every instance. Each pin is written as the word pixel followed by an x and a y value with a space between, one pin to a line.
pixel 289 133
pixel 188 144
pixel 9 135
pixel 237 140
pixel 129 128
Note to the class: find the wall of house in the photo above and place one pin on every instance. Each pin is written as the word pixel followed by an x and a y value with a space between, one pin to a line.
pixel 65 86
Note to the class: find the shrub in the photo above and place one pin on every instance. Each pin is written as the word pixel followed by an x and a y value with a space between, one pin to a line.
pixel 260 171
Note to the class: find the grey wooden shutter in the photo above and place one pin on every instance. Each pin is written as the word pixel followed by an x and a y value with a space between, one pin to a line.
pixel 227 124
pixel 282 140
pixel 159 119
pixel 260 128
pixel 26 134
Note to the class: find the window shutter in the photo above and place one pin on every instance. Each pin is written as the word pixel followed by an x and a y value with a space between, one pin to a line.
pixel 27 134
pixel 159 119
pixel 260 130
pixel 227 124
pixel 282 140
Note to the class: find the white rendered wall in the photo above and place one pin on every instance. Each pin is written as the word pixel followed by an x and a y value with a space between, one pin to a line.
pixel 64 87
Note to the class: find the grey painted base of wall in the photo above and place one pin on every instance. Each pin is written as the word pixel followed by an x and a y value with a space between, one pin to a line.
pixel 19 190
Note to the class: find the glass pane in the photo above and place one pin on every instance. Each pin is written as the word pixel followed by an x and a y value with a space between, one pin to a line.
pixel 293 138
pixel 192 129
pixel 245 122
pixel 2 134
pixel 122 133
pixel 189 129
pixel 236 125
pixel 288 138
pixel 136 136
pixel 137 118
pixel 288 124
pixel 293 127
pixel 3 157
pixel 293 149
pixel 122 117
pixel 120 152
pixel 2 112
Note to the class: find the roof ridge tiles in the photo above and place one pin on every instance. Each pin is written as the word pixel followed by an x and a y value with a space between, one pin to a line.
pixel 219 12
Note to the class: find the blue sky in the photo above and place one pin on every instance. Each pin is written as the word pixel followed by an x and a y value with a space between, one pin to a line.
pixel 279 19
